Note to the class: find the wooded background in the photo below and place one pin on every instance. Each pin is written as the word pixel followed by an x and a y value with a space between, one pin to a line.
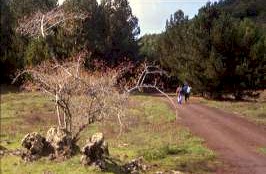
pixel 222 50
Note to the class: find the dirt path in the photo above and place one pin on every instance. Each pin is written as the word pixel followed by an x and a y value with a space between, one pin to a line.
pixel 234 139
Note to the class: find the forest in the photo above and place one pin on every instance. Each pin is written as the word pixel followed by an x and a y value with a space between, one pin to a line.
pixel 222 50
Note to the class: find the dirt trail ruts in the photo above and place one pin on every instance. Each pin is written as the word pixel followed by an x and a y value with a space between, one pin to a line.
pixel 234 139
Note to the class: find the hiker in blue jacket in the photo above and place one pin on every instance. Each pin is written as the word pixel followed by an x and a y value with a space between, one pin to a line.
pixel 186 89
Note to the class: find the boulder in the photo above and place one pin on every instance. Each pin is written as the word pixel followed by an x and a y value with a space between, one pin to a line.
pixel 36 146
pixel 95 151
pixel 61 142
pixel 34 143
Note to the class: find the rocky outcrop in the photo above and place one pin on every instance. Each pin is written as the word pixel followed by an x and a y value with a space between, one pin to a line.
pixel 34 142
pixel 35 145
pixel 61 142
pixel 95 150
pixel 58 144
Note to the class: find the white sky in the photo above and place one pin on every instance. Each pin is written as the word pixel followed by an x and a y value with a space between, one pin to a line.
pixel 152 14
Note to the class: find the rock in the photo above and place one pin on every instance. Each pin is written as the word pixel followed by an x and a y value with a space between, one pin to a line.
pixel 2 148
pixel 16 152
pixel 61 142
pixel 34 143
pixel 159 172
pixel 52 156
pixel 135 166
pixel 36 146
pixel 28 157
pixel 95 150
pixel 2 152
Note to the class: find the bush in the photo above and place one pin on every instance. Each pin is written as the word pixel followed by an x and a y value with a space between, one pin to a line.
pixel 174 150
pixel 153 154
pixel 162 152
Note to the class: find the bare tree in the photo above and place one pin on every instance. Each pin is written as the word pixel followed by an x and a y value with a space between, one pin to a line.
pixel 148 70
pixel 80 97
pixel 42 24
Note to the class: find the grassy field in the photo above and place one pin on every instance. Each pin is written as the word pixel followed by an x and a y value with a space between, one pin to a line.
pixel 151 132
pixel 252 110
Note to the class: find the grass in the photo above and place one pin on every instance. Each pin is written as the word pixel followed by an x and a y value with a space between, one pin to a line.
pixel 12 164
pixel 150 131
pixel 262 150
pixel 254 111
pixel 31 111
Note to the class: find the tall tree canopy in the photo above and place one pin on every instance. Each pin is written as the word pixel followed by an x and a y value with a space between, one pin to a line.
pixel 109 33
pixel 217 51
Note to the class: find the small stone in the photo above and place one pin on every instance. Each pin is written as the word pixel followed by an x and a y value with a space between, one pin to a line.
pixel 159 172
pixel 2 152
pixel 135 166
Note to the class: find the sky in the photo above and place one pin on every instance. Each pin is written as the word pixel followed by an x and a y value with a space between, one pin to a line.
pixel 152 14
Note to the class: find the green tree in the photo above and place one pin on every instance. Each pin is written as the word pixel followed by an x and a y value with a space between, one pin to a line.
pixel 215 52
pixel 10 44
pixel 121 31
pixel 148 47
pixel 37 51
pixel 21 8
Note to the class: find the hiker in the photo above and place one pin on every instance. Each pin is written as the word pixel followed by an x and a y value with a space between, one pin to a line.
pixel 186 89
pixel 179 94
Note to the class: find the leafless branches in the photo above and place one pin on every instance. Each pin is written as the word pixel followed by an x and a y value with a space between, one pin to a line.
pixel 41 24
pixel 140 84
pixel 80 97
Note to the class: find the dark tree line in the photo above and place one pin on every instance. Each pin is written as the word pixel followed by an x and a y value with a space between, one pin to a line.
pixel 109 34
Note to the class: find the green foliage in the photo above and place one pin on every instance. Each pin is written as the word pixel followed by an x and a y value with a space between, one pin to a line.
pixel 36 52
pixel 5 37
pixel 120 31
pixel 15 51
pixel 148 47
pixel 27 7
pixel 109 34
pixel 253 9
pixel 162 152
pixel 215 52
pixel 154 154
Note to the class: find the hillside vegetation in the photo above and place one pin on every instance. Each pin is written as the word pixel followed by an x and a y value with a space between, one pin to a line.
pixel 254 9
pixel 151 132
pixel 220 51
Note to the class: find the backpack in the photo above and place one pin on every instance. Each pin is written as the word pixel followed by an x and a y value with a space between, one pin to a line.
pixel 188 89
pixel 184 89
